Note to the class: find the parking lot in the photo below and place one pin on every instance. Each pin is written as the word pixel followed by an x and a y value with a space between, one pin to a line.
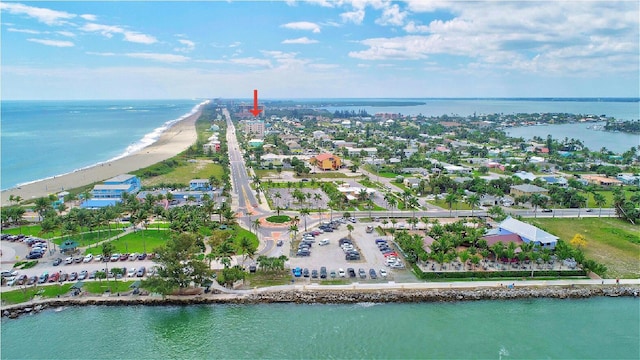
pixel 332 256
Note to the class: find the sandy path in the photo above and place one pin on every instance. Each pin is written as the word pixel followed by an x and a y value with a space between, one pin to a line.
pixel 173 141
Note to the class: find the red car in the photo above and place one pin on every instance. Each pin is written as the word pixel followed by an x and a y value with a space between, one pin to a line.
pixel 124 257
pixel 54 277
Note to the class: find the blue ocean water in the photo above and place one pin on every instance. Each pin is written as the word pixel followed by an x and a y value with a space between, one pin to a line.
pixel 41 139
pixel 596 328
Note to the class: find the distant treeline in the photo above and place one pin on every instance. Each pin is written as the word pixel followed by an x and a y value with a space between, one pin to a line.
pixel 632 127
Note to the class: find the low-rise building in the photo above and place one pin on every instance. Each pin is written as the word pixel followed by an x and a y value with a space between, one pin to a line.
pixel 326 161
pixel 528 233
pixel 601 180
pixel 527 190
pixel 199 185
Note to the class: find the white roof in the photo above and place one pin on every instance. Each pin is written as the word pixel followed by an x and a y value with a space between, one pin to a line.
pixel 112 187
pixel 527 231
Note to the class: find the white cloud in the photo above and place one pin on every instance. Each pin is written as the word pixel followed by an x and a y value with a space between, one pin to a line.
pixel 355 17
pixel 413 28
pixel 323 66
pixel 139 38
pixel 108 31
pixel 66 33
pixel 89 17
pixel 56 43
pixel 24 31
pixel 540 37
pixel 43 15
pixel 392 16
pixel 302 40
pixel 303 25
pixel 251 61
pixel 169 58
pixel 188 45
pixel 100 53
pixel 235 44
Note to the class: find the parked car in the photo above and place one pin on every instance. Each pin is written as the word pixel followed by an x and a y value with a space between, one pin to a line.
pixel 362 273
pixel 63 277
pixel 547 210
pixel 141 271
pixel 369 229
pixel 324 242
pixel 57 262
pixel 124 257
pixel 34 255
pixel 21 279
pixel 372 274
pixel 333 274
pixel 132 272
pixel 92 275
pixel 73 276
pixel 97 258
pixel 297 272
pixel 83 275
pixel 133 257
pixel 115 257
pixel 142 256
pixel 279 243
pixel 341 273
pixel 383 273
pixel 54 277
pixel 78 259
pixel 352 272
pixel 68 260
pixel 314 273
pixel 88 258
pixel 305 272
pixel 32 280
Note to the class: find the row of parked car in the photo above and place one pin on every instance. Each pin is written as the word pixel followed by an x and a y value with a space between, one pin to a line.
pixel 60 277
pixel 350 252
pixel 392 259
pixel 351 272
pixel 99 258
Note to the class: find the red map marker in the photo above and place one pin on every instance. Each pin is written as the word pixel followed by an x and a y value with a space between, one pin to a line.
pixel 255 110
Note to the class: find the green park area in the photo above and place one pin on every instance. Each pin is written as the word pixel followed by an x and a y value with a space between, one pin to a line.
pixel 185 172
pixel 610 241
pixel 139 242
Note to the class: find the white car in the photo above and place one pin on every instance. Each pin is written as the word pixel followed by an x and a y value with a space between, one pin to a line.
pixel 324 242
pixel 97 258
pixel 68 260
pixel 383 273
pixel 341 273
pixel 88 258
pixel 132 272
pixel 397 265
pixel 133 256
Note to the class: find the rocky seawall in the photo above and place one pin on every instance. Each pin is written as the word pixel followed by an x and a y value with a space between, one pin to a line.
pixel 309 296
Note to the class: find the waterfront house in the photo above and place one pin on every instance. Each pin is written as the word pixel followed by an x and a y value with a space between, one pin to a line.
pixel 528 233
pixel 115 187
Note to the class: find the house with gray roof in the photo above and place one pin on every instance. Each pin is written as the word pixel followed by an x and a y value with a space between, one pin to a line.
pixel 528 233
pixel 527 190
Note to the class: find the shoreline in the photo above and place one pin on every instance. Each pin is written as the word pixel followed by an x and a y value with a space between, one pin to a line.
pixel 306 295
pixel 171 142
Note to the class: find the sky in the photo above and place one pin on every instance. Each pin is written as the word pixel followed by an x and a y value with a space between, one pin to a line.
pixel 78 50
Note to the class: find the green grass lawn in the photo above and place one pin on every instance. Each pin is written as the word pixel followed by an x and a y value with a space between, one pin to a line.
pixel 443 204
pixel 239 233
pixel 610 241
pixel 139 242
pixel 279 219
pixel 185 173
pixel 26 294
pixel 608 196
pixel 99 287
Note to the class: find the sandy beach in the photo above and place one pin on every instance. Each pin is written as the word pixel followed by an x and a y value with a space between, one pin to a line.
pixel 173 141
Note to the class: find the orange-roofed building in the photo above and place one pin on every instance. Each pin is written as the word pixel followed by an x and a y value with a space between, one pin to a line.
pixel 326 161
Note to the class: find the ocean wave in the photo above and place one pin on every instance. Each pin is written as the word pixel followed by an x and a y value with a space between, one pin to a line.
pixel 146 140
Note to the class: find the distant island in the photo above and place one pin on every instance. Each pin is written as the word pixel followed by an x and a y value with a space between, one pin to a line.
pixel 631 127
pixel 341 102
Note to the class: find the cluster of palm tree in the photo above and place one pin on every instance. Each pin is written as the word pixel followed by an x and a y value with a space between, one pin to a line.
pixel 271 263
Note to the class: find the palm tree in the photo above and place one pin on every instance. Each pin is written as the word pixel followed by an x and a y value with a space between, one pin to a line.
pixel 304 213
pixel 107 251
pixel 473 200
pixel 497 250
pixel 537 200
pixel 349 229
pixel 224 253
pixel 317 197
pixel 255 224
pixel 450 199
pixel 600 201
pixel 391 202
pixel 293 229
